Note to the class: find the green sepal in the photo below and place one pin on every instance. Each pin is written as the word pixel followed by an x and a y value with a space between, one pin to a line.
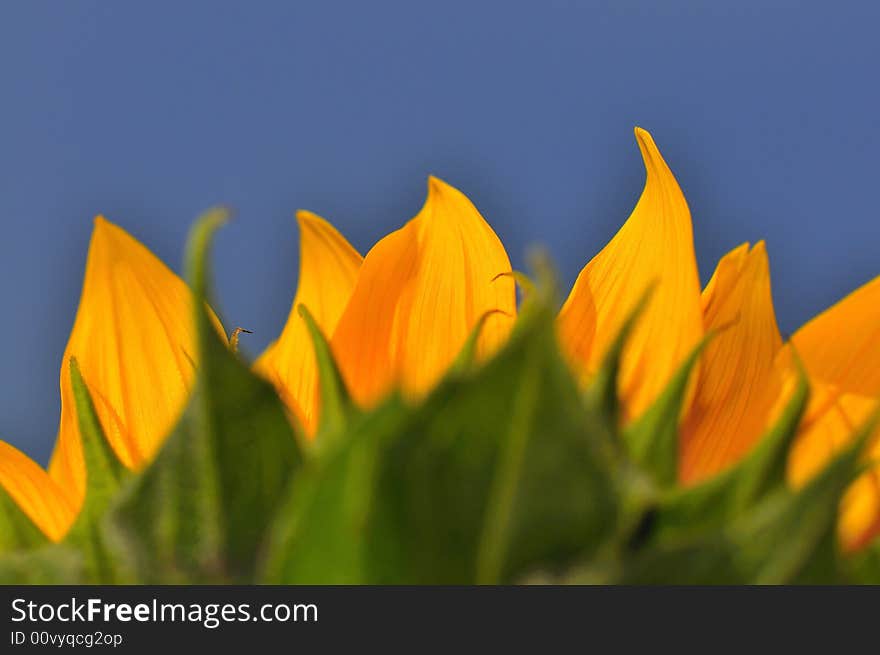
pixel 324 526
pixel 491 475
pixel 863 567
pixel 337 406
pixel 200 511
pixel 791 536
pixel 711 503
pixel 466 359
pixel 51 564
pixel 787 537
pixel 17 531
pixel 105 475
pixel 525 283
pixel 652 439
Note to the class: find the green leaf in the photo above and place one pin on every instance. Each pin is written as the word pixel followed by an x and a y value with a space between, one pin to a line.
pixel 715 501
pixel 105 475
pixel 788 534
pixel 48 565
pixel 863 567
pixel 199 513
pixel 324 528
pixel 17 531
pixel 337 407
pixel 492 475
pixel 787 537
pixel 707 560
pixel 652 439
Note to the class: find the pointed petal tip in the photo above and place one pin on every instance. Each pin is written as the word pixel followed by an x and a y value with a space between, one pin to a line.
pixel 651 156
pixel 645 140
pixel 436 185
pixel 437 188
pixel 441 192
pixel 740 250
pixel 642 134
pixel 105 233
pixel 100 225
pixel 305 218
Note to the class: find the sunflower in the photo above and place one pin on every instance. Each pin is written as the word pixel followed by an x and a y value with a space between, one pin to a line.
pixel 397 319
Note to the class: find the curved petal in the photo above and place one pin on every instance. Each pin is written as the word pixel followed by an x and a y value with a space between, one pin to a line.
pixel 840 349
pixel 738 384
pixel 328 267
pixel 420 292
pixel 136 345
pixel 38 495
pixel 654 247
pixel 831 421
pixel 859 522
pixel 841 346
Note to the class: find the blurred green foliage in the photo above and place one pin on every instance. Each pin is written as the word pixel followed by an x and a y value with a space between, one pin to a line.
pixel 505 473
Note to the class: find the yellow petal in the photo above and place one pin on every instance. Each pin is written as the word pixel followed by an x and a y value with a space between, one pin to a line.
pixel 420 292
pixel 841 346
pixel 135 342
pixel 328 267
pixel 859 522
pixel 829 425
pixel 738 384
pixel 654 247
pixel 840 349
pixel 38 495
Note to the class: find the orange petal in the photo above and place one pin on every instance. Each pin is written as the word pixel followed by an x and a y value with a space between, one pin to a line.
pixel 830 423
pixel 420 292
pixel 328 267
pixel 135 342
pixel 841 346
pixel 38 495
pixel 859 522
pixel 738 384
pixel 654 247
pixel 840 349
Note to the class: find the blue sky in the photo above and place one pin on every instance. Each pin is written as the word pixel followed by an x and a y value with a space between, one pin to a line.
pixel 150 112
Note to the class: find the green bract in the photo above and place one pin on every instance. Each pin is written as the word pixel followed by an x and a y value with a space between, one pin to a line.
pixel 505 473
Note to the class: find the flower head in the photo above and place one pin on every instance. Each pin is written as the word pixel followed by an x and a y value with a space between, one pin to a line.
pixel 745 371
pixel 397 319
